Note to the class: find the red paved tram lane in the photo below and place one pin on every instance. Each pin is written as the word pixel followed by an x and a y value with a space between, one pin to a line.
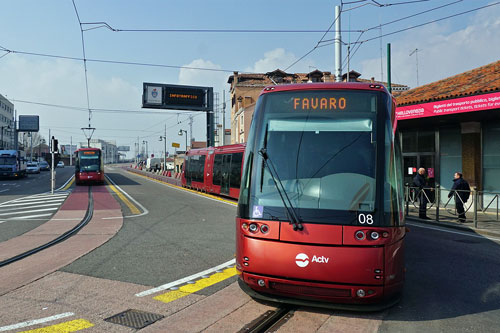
pixel 98 231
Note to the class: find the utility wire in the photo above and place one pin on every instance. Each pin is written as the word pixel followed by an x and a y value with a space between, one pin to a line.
pixel 318 43
pixel 84 63
pixel 98 25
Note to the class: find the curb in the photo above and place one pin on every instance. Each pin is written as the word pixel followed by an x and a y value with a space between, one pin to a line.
pixel 455 226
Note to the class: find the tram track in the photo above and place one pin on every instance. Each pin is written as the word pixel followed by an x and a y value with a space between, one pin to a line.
pixel 86 219
pixel 270 321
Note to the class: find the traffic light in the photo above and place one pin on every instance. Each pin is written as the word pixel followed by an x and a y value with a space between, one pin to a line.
pixel 54 145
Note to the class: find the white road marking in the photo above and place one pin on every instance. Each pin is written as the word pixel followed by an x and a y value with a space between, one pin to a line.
pixel 35 321
pixel 38 206
pixel 32 203
pixel 40 199
pixel 29 217
pixel 463 233
pixel 186 279
pixel 29 211
pixel 144 210
pixel 175 187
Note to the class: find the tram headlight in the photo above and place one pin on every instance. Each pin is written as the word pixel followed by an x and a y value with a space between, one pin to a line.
pixel 361 293
pixel 359 235
pixel 374 235
pixel 244 226
pixel 253 227
pixel 264 228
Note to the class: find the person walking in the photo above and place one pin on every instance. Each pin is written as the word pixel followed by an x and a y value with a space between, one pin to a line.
pixel 461 191
pixel 420 182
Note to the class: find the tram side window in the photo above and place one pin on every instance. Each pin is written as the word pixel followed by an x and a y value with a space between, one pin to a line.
pixel 197 168
pixel 235 180
pixel 217 170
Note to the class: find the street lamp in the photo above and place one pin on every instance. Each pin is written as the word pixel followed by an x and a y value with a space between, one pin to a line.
pixel 146 143
pixel 185 133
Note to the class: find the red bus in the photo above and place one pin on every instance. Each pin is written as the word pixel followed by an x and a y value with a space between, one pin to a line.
pixel 89 166
pixel 214 170
pixel 320 218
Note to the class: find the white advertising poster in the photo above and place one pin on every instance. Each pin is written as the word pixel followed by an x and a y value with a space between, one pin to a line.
pixel 154 95
pixel 410 171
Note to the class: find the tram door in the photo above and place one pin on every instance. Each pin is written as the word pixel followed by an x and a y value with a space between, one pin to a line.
pixel 226 174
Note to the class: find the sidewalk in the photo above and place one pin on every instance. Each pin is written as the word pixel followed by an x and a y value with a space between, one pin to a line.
pixel 487 223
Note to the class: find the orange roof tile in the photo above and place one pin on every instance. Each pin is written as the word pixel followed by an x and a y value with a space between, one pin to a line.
pixel 480 80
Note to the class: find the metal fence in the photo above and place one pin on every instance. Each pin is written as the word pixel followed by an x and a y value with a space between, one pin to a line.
pixel 482 208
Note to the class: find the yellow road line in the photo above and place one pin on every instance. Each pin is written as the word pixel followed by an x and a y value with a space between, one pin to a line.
pixel 131 206
pixel 197 286
pixel 69 184
pixel 70 326
pixel 186 189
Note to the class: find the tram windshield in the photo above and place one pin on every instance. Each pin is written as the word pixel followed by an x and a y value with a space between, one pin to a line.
pixel 322 147
pixel 89 161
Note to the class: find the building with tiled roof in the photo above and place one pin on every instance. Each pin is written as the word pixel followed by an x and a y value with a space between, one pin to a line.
pixel 246 88
pixel 454 125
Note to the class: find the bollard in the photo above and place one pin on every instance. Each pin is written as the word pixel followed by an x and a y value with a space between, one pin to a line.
pixel 437 198
pixel 476 198
pixel 407 190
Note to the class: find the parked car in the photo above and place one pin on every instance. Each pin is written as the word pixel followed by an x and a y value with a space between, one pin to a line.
pixel 33 167
pixel 60 164
pixel 44 166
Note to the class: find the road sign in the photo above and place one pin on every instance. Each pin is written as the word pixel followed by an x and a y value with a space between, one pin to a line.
pixel 175 145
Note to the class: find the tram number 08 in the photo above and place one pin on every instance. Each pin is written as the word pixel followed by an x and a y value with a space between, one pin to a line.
pixel 365 218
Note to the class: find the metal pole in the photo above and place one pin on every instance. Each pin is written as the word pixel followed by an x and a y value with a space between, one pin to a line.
pixel 407 189
pixel 437 202
pixel 31 146
pixel 52 171
pixel 71 150
pixel 165 152
pixel 389 87
pixel 223 118
pixel 476 197
pixel 338 46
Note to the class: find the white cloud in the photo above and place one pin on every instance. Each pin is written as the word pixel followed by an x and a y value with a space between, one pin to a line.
pixel 279 58
pixel 442 54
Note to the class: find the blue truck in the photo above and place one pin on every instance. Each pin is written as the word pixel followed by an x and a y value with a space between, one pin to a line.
pixel 12 164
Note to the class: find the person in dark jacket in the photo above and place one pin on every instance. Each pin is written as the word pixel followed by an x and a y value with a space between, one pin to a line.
pixel 420 182
pixel 461 190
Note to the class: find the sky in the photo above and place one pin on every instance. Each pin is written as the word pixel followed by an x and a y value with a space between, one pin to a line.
pixel 203 42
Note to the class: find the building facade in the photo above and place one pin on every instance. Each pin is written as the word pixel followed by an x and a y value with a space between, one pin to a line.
pixel 7 130
pixel 454 125
pixel 246 88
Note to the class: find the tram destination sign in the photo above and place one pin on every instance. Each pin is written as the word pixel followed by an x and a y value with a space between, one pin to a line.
pixel 177 97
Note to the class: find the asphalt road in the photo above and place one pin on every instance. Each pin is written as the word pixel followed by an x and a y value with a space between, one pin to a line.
pixel 181 235
pixel 452 280
pixel 21 189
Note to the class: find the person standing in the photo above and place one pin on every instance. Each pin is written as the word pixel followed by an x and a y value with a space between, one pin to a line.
pixel 461 190
pixel 420 182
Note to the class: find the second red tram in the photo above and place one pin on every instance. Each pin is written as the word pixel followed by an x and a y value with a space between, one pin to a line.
pixel 89 166
pixel 320 217
pixel 214 170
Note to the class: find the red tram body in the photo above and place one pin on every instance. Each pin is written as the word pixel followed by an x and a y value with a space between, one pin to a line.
pixel 89 166
pixel 214 170
pixel 320 217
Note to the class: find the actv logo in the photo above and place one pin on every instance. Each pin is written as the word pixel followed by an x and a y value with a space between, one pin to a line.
pixel 302 260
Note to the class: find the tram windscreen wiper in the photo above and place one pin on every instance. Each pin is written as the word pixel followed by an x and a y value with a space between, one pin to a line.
pixel 294 219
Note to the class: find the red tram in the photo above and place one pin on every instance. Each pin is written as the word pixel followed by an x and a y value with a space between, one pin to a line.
pixel 89 166
pixel 214 170
pixel 320 217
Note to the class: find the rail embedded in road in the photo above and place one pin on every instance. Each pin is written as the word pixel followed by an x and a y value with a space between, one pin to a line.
pixel 86 219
